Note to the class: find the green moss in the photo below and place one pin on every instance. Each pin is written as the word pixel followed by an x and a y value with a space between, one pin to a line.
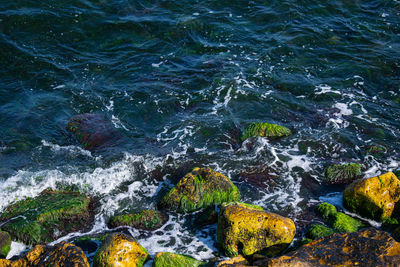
pixel 5 244
pixel 376 150
pixel 343 174
pixel 200 188
pixel 167 259
pixel 317 231
pixel 250 206
pixel 325 210
pixel 264 129
pixel 43 218
pixel 147 220
pixel 389 224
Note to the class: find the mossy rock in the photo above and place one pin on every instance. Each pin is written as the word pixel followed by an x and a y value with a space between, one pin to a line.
pixel 119 249
pixel 339 221
pixel 146 220
pixel 390 224
pixel 201 188
pixel 265 129
pixel 247 229
pixel 343 174
pixel 168 259
pixel 48 216
pixel 5 244
pixel 376 150
pixel 61 254
pixel 374 197
pixel 316 231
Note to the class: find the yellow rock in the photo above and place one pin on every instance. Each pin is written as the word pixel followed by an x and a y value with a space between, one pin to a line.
pixel 120 250
pixel 238 261
pixel 246 229
pixel 374 197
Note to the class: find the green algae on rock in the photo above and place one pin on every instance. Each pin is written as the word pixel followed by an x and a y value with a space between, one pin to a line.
pixel 119 249
pixel 316 231
pixel 168 259
pixel 48 216
pixel 265 129
pixel 61 254
pixel 343 173
pixel 247 229
pixel 374 197
pixel 200 188
pixel 146 220
pixel 5 244
pixel 339 221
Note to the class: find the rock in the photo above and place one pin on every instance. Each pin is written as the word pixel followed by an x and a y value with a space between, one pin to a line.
pixel 343 174
pixel 246 229
pixel 369 247
pixel 168 259
pixel 317 231
pixel 61 255
pixel 206 217
pixel 146 220
pixel 119 249
pixel 339 221
pixel 93 130
pixel 264 129
pixel 233 262
pixel 376 150
pixel 48 216
pixel 374 197
pixel 198 189
pixel 5 244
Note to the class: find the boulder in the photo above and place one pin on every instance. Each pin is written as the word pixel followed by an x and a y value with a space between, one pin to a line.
pixel 201 188
pixel 233 262
pixel 343 173
pixel 369 247
pixel 48 216
pixel 246 229
pixel 146 220
pixel 121 250
pixel 61 255
pixel 265 129
pixel 374 197
pixel 93 130
pixel 168 259
pixel 339 221
pixel 5 244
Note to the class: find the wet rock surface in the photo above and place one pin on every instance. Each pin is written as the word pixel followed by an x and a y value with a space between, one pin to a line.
pixel 146 220
pixel 5 243
pixel 168 259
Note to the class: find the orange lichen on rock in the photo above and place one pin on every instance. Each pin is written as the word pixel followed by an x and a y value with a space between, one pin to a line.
pixel 246 229
pixel 374 197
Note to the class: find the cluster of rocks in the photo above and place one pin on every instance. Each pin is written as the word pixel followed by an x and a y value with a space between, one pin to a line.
pixel 245 232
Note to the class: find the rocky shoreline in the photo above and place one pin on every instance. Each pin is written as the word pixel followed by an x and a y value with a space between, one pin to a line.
pixel 245 232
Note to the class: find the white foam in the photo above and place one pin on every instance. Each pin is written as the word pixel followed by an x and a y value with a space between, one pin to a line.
pixel 324 89
pixel 16 249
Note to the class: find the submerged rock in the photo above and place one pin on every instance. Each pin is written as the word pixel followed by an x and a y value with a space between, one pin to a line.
pixel 343 174
pixel 48 216
pixel 198 189
pixel 374 197
pixel 246 229
pixel 62 254
pixel 121 250
pixel 168 259
pixel 369 247
pixel 146 220
pixel 5 244
pixel 265 129
pixel 92 130
pixel 339 221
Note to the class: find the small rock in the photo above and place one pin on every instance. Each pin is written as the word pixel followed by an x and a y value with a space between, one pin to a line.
pixel 146 220
pixel 48 216
pixel 121 250
pixel 317 231
pixel 369 247
pixel 168 259
pixel 201 188
pixel 233 262
pixel 343 174
pixel 246 229
pixel 62 255
pixel 264 129
pixel 5 244
pixel 374 197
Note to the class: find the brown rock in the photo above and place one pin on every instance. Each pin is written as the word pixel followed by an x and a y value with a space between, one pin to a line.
pixel 369 247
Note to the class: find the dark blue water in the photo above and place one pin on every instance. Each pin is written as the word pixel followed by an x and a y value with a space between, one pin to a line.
pixel 180 80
